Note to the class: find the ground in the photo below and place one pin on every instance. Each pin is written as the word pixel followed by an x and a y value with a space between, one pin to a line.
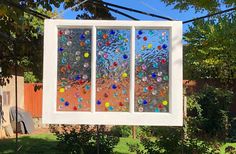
pixel 44 142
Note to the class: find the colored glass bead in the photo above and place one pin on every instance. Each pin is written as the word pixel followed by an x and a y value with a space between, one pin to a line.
pixel 112 32
pixel 165 103
pixel 159 79
pixel 82 44
pixel 75 108
pixel 108 43
pixel 105 36
pixel 154 75
pixel 164 46
pixel 60 49
pixel 62 90
pixel 145 38
pixel 145 102
pixel 87 87
pixel 165 78
pixel 115 64
pixel 163 61
pixel 77 77
pixel 62 99
pixel 150 88
pixel 86 54
pixel 98 102
pixel 107 104
pixel 155 65
pixel 110 108
pixel 82 37
pixel 149 46
pixel 124 75
pixel 125 56
pixel 69 43
pixel 114 86
pixel 86 65
pixel 67 103
pixel 140 32
pixel 80 99
pixel 144 79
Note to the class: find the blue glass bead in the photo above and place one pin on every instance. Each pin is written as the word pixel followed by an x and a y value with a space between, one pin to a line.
pixel 140 32
pixel 99 102
pixel 164 46
pixel 67 103
pixel 112 32
pixel 110 108
pixel 154 75
pixel 144 102
pixel 60 49
pixel 77 77
pixel 114 86
pixel 82 37
pixel 125 56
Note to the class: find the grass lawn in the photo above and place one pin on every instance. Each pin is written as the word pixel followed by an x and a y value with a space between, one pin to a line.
pixel 47 144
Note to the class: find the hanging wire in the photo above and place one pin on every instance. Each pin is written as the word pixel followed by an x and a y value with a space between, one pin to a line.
pixel 210 15
pixel 116 11
pixel 133 10
pixel 77 5
pixel 43 16
pixel 122 13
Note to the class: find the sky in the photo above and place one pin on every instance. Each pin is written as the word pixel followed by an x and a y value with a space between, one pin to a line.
pixel 151 6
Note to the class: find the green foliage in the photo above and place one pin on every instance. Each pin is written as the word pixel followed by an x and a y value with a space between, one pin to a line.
pixel 210 51
pixel 83 139
pixel 200 5
pixel 121 131
pixel 168 140
pixel 208 112
pixel 207 120
pixel 21 33
pixel 29 77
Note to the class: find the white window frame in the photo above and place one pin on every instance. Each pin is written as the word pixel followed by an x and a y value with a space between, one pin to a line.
pixel 172 118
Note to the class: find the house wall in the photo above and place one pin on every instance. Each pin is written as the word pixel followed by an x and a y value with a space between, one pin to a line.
pixel 10 88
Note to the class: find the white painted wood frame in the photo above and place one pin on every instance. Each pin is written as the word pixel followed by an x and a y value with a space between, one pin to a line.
pixel 172 118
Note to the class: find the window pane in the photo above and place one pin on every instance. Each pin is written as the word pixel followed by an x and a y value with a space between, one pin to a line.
pixel 74 70
pixel 113 70
pixel 151 70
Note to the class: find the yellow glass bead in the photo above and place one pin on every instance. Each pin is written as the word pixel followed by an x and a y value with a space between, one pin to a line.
pixel 107 104
pixel 164 102
pixel 62 90
pixel 86 54
pixel 149 46
pixel 124 75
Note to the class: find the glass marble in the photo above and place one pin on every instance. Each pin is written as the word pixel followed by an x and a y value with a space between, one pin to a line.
pixel 74 71
pixel 151 66
pixel 113 70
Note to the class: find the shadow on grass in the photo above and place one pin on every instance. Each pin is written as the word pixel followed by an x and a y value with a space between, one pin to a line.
pixel 28 144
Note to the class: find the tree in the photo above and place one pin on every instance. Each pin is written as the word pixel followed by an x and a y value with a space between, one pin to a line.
pixel 208 5
pixel 210 50
pixel 21 31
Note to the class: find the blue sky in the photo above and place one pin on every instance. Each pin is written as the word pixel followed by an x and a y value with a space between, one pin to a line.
pixel 152 6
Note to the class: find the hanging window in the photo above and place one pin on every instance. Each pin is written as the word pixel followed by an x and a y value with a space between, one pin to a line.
pixel 113 72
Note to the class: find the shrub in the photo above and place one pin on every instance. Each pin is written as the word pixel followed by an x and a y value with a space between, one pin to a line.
pixel 208 112
pixel 83 139
pixel 121 131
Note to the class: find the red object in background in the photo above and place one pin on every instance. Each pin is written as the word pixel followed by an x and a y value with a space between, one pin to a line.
pixel 33 99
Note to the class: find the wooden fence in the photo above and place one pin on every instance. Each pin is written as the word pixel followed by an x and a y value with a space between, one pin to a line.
pixel 33 99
